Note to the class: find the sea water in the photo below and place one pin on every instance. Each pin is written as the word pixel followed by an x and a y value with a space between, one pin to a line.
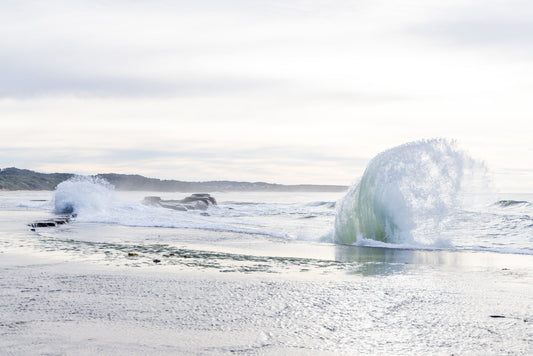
pixel 423 196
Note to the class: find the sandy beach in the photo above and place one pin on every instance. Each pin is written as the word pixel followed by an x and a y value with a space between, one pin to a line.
pixel 57 307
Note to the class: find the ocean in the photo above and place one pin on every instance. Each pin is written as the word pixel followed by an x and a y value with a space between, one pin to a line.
pixel 253 223
pixel 413 259
pixel 426 195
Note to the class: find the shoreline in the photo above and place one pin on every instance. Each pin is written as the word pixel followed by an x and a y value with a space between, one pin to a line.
pixel 68 307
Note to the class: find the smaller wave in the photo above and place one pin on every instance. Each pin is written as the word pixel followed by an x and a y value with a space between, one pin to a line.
pixel 507 203
pixel 327 204
pixel 443 244
pixel 239 203
pixel 92 200
pixel 438 244
pixel 34 204
pixel 82 194
pixel 513 251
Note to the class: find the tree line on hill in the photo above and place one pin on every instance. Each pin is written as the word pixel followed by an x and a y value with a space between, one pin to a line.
pixel 24 179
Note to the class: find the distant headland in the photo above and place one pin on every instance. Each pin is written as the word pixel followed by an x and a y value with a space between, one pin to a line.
pixel 23 179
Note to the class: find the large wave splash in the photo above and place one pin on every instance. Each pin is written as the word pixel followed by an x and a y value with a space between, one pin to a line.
pixel 412 186
pixel 82 194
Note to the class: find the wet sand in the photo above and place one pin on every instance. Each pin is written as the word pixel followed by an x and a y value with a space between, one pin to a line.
pixel 50 306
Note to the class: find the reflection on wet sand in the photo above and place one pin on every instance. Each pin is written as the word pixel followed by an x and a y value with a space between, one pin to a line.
pixel 378 260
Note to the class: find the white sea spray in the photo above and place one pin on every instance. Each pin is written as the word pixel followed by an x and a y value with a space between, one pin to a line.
pixel 407 189
pixel 83 194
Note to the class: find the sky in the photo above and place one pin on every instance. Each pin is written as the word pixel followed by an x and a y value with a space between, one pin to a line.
pixel 278 91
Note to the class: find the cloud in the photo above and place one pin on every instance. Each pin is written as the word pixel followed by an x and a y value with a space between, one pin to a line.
pixel 481 32
pixel 113 155
pixel 504 24
pixel 186 88
pixel 30 80
pixel 180 49
pixel 278 164
pixel 113 49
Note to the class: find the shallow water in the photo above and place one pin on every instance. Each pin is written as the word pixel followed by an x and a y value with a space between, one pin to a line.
pixel 252 232
pixel 258 279
pixel 267 223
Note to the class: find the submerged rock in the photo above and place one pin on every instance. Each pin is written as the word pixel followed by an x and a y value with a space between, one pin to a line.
pixel 198 201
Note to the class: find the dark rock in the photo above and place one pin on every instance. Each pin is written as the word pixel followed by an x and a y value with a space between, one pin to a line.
pixel 157 261
pixel 198 201
pixel 43 224
pixel 51 222
pixel 497 316
pixel 206 198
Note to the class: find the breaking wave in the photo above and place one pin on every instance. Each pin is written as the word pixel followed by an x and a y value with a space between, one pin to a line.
pixel 93 200
pixel 82 194
pixel 405 193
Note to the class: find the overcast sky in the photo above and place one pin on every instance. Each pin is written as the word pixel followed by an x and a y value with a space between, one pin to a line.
pixel 277 91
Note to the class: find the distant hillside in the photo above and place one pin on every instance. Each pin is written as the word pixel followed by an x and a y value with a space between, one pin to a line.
pixel 23 179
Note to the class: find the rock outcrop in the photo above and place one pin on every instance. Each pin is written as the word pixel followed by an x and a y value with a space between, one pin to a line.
pixel 60 220
pixel 193 202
